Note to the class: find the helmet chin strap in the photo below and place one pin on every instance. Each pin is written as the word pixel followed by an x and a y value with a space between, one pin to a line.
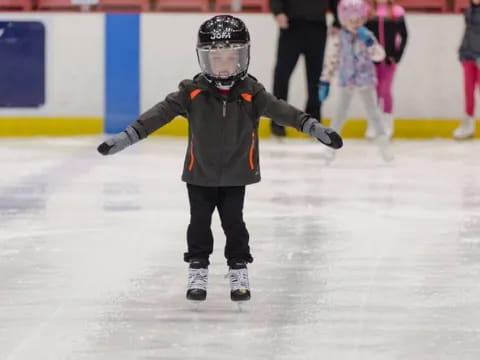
pixel 225 85
pixel 221 84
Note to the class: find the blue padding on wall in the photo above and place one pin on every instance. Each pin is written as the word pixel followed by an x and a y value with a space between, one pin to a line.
pixel 122 70
pixel 22 64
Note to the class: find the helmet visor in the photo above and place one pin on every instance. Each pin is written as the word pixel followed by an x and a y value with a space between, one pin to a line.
pixel 223 61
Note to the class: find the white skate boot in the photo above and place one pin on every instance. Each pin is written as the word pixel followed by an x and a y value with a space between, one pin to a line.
pixel 197 280
pixel 389 124
pixel 239 285
pixel 466 129
pixel 370 133
pixel 383 144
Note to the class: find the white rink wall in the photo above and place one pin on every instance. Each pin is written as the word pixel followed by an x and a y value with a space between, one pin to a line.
pixel 429 82
pixel 74 65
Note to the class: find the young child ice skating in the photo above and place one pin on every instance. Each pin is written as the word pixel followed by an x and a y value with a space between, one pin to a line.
pixel 354 49
pixel 470 58
pixel 223 105
pixel 388 25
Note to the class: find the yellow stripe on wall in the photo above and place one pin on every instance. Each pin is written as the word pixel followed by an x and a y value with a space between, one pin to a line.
pixel 31 126
pixel 354 128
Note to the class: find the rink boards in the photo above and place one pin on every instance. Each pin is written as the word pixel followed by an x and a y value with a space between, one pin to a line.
pixel 102 70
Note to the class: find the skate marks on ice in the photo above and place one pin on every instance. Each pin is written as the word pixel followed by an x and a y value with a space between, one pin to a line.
pixel 354 261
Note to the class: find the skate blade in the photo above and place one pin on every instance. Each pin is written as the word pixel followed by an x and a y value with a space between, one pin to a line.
pixel 464 138
pixel 388 158
pixel 241 306
pixel 196 304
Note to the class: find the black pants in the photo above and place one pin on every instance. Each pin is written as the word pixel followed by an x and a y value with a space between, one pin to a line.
pixel 309 39
pixel 229 202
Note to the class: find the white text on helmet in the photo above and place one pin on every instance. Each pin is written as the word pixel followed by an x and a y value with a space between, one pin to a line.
pixel 221 35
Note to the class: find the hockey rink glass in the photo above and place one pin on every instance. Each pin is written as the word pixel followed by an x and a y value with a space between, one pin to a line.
pixel 224 62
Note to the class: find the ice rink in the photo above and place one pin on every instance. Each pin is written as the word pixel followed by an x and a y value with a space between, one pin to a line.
pixel 356 260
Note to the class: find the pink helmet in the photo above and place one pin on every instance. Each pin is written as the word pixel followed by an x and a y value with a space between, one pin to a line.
pixel 352 9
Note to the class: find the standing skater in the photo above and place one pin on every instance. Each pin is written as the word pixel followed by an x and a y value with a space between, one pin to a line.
pixel 302 30
pixel 388 26
pixel 470 58
pixel 353 53
pixel 223 105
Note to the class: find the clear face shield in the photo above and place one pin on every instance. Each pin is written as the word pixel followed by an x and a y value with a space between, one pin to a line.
pixel 223 61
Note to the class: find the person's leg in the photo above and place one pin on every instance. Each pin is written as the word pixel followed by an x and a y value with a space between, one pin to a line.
pixel 380 70
pixel 340 116
pixel 237 251
pixel 289 49
pixel 467 125
pixel 345 95
pixel 199 239
pixel 369 99
pixel 386 89
pixel 379 73
pixel 470 72
pixel 199 235
pixel 316 37
pixel 385 74
pixel 230 209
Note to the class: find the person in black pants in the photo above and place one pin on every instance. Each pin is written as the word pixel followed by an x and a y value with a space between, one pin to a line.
pixel 303 30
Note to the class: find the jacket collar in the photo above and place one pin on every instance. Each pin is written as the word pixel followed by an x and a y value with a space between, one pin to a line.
pixel 240 87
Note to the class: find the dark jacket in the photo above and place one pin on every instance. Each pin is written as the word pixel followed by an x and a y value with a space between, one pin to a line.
pixel 387 31
pixel 470 48
pixel 309 10
pixel 223 131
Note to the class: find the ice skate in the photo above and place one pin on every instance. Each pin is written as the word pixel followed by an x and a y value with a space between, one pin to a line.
pixel 239 285
pixel 466 130
pixel 197 281
pixel 384 149
pixel 389 124
pixel 370 133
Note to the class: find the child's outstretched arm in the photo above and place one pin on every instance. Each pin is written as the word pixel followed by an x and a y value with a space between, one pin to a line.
pixel 287 115
pixel 174 104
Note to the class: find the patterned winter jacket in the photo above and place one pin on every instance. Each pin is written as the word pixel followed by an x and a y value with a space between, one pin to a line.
pixel 353 59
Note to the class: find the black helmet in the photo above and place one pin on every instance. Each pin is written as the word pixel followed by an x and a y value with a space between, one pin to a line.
pixel 223 49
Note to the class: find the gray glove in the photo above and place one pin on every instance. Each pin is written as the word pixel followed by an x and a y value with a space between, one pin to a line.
pixel 323 134
pixel 119 142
